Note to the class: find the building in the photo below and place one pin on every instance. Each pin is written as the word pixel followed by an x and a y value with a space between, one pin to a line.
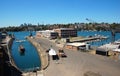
pixel 66 32
pixel 77 46
pixel 51 34
pixel 111 49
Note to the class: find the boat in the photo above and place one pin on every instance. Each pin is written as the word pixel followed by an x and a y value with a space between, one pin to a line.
pixel 21 48
pixel 117 42
pixel 19 41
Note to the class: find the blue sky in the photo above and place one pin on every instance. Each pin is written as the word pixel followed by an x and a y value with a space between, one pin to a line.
pixel 16 12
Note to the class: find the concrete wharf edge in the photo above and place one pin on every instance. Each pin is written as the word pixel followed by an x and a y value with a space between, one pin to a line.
pixel 8 46
pixel 42 53
pixel 88 39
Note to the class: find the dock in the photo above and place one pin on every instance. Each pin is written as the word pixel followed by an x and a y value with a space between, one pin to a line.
pixel 87 39
pixel 41 52
pixel 78 63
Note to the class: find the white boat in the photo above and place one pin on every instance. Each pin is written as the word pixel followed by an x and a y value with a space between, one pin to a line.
pixel 117 42
pixel 20 40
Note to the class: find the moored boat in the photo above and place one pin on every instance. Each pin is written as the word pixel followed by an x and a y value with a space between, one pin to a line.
pixel 21 48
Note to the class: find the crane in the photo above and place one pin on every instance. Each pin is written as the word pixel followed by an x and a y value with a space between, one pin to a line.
pixel 92 22
pixel 113 31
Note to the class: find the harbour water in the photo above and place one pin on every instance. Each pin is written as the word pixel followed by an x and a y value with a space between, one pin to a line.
pixel 104 33
pixel 29 60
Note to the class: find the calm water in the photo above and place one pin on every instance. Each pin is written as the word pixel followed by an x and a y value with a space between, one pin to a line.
pixel 30 59
pixel 98 43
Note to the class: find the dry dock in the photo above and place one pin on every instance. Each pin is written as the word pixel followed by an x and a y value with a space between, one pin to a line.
pixel 9 67
pixel 41 52
pixel 43 56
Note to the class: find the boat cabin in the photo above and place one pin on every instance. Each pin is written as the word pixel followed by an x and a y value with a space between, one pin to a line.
pixel 21 48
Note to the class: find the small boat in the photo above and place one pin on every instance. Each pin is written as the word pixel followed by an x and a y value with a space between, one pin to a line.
pixel 21 48
pixel 20 41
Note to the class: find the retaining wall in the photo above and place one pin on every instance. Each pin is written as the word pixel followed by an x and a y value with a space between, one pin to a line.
pixel 43 55
pixel 8 51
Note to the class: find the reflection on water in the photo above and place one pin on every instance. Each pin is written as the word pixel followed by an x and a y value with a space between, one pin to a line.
pixel 22 53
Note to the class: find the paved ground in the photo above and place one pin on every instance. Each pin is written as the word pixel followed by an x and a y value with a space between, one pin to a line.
pixel 77 63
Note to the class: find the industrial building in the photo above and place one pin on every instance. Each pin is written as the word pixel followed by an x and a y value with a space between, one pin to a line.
pixel 66 32
pixel 77 46
pixel 51 34
pixel 111 49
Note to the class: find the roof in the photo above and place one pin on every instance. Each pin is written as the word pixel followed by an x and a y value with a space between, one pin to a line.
pixel 109 46
pixel 117 50
pixel 46 31
pixel 65 29
pixel 52 52
pixel 76 44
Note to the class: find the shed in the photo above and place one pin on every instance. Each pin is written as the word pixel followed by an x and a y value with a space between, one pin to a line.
pixel 76 46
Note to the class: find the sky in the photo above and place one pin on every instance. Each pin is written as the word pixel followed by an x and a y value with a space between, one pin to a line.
pixel 16 12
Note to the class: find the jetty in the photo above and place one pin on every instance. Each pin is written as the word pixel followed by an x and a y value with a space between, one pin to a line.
pixel 87 39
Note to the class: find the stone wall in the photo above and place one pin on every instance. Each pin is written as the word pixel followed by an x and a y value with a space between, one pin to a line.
pixel 42 53
pixel 8 51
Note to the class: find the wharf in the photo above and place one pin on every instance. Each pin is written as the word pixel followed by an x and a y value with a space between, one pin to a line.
pixel 43 58
pixel 78 63
pixel 80 39
pixel 41 52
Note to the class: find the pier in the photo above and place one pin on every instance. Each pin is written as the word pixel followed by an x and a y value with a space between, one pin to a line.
pixel 87 39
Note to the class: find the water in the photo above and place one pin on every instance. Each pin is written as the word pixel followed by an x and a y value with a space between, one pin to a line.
pixel 29 60
pixel 98 43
